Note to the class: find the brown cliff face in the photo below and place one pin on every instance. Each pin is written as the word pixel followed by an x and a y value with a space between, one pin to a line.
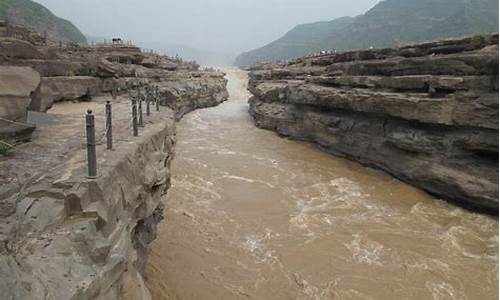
pixel 70 72
pixel 428 114
pixel 63 236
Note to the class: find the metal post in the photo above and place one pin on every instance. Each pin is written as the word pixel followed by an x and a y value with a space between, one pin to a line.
pixel 140 111
pixel 129 88
pixel 91 151
pixel 157 99
pixel 134 117
pixel 148 99
pixel 9 33
pixel 109 126
pixel 114 92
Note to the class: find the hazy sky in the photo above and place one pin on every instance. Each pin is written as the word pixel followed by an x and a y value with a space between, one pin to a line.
pixel 218 25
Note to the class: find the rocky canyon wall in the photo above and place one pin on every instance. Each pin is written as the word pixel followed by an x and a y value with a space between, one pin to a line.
pixel 427 114
pixel 63 236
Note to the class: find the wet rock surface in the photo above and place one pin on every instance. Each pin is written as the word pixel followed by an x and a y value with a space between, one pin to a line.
pixel 427 114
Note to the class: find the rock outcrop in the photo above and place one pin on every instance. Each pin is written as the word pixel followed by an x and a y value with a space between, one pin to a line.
pixel 63 236
pixel 15 48
pixel 428 114
pixel 71 72
pixel 19 88
pixel 55 89
pixel 66 237
pixel 209 89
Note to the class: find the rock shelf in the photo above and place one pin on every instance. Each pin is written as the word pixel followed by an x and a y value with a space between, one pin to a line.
pixel 427 114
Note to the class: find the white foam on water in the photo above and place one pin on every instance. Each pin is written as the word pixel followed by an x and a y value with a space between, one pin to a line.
pixel 267 160
pixel 195 162
pixel 226 152
pixel 430 265
pixel 247 180
pixel 316 203
pixel 444 291
pixel 466 242
pixel 257 246
pixel 198 188
pixel 365 251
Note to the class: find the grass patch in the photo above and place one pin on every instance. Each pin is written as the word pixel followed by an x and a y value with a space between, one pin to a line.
pixel 6 148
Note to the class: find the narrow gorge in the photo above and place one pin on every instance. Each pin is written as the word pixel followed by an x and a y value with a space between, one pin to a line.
pixel 367 174
pixel 251 215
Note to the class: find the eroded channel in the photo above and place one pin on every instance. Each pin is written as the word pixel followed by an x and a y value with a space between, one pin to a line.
pixel 253 216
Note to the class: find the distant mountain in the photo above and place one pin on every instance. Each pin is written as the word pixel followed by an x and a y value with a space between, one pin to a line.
pixel 38 18
pixel 389 23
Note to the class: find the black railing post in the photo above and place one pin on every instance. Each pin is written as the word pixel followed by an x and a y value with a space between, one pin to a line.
pixel 109 126
pixel 157 98
pixel 134 117
pixel 91 147
pixel 114 91
pixel 140 110
pixel 148 99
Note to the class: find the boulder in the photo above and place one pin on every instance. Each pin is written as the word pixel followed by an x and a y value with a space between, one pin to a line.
pixel 12 48
pixel 150 62
pixel 168 65
pixel 55 89
pixel 106 69
pixel 19 87
pixel 189 91
pixel 54 67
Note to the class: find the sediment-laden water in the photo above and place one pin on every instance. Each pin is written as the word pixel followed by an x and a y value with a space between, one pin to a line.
pixel 253 216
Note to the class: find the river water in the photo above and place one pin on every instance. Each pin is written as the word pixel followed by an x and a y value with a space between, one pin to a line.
pixel 251 215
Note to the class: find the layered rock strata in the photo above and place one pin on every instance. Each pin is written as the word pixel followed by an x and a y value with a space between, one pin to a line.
pixel 72 72
pixel 209 89
pixel 62 235
pixel 19 87
pixel 428 113
pixel 66 237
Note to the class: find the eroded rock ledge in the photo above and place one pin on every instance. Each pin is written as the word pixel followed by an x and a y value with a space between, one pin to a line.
pixel 428 113
pixel 63 236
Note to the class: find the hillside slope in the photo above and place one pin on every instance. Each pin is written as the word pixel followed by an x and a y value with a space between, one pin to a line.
pixel 38 18
pixel 389 23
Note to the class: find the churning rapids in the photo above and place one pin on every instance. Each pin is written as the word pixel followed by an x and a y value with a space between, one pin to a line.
pixel 253 216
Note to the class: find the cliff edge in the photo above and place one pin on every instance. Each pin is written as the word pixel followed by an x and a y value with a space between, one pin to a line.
pixel 426 113
pixel 63 235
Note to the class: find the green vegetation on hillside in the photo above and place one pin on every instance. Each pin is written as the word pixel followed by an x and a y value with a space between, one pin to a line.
pixel 39 18
pixel 389 23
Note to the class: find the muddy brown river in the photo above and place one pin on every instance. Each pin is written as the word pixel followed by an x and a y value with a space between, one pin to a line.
pixel 251 215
